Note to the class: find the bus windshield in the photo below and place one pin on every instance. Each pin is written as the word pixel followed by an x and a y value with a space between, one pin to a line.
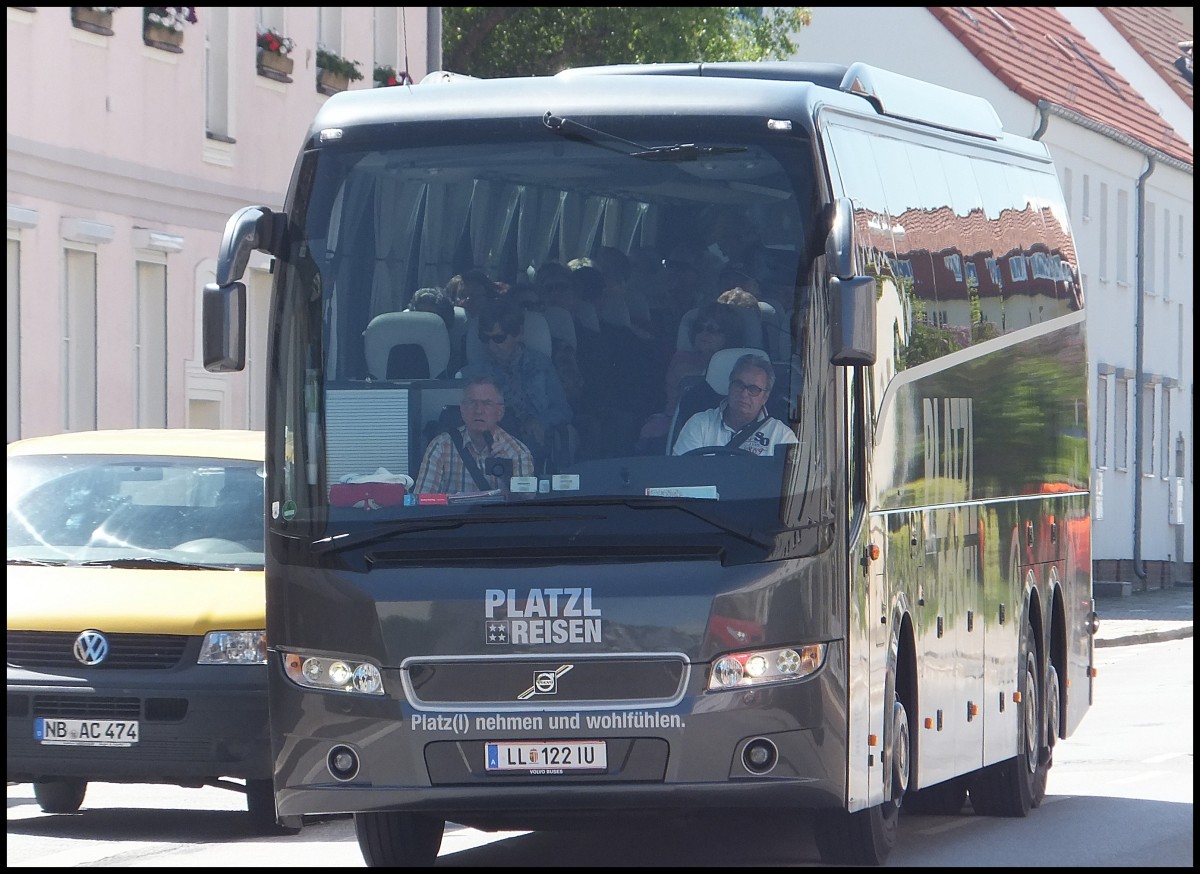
pixel 628 302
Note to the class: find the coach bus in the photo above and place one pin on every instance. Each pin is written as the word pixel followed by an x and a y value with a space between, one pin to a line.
pixel 882 599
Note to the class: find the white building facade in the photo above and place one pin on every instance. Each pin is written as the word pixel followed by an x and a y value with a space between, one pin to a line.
pixel 1131 208
pixel 129 146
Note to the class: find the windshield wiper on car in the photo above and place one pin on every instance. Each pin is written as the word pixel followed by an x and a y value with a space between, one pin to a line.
pixel 678 152
pixel 152 562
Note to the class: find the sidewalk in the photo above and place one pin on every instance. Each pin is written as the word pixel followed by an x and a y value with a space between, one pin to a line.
pixel 1143 617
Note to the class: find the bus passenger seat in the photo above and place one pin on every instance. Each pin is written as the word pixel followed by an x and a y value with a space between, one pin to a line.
pixel 406 345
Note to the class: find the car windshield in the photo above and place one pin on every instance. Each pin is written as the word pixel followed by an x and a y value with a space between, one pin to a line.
pixel 76 509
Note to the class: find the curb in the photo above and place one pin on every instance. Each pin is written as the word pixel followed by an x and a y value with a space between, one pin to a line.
pixel 1145 637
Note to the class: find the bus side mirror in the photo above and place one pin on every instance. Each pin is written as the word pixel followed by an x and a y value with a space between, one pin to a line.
pixel 224 323
pixel 853 320
pixel 852 297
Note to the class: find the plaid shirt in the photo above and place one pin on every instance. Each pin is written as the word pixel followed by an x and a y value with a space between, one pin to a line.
pixel 443 471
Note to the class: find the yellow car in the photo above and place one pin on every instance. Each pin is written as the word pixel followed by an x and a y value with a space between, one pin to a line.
pixel 136 642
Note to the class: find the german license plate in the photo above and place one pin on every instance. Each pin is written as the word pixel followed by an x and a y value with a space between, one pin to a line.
pixel 86 732
pixel 546 757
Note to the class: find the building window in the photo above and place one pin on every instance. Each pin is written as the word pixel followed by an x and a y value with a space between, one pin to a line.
pixel 150 345
pixel 258 293
pixel 14 339
pixel 1164 444
pixel 1102 249
pixel 1085 208
pixel 1150 245
pixel 1121 425
pixel 78 359
pixel 216 74
pixel 329 28
pixel 1148 436
pixel 1123 237
pixel 1166 255
pixel 1102 420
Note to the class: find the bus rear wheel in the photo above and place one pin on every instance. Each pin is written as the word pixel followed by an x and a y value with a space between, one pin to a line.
pixel 398 840
pixel 1016 786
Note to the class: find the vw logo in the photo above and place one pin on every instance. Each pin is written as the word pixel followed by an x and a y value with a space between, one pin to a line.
pixel 91 648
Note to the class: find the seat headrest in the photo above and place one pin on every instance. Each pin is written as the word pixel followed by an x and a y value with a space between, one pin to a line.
pixel 408 328
pixel 720 366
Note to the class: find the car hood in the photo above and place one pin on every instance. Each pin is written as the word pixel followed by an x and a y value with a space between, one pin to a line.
pixel 136 601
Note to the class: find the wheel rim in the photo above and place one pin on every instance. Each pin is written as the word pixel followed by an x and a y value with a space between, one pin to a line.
pixel 1053 712
pixel 900 752
pixel 1031 708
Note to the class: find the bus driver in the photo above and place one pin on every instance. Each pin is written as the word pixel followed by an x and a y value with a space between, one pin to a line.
pixel 741 420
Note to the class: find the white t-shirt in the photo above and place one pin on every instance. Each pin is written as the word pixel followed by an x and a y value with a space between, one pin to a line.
pixel 708 428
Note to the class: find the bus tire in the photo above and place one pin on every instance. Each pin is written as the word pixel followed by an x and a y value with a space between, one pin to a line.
pixel 1017 785
pixel 60 796
pixel 260 803
pixel 867 837
pixel 398 840
pixel 943 799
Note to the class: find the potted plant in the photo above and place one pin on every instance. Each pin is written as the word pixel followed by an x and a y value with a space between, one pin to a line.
pixel 162 26
pixel 274 50
pixel 335 73
pixel 94 19
pixel 386 77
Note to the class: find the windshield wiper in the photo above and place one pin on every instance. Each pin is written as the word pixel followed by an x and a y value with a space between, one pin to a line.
pixel 151 562
pixel 346 540
pixel 762 539
pixel 679 152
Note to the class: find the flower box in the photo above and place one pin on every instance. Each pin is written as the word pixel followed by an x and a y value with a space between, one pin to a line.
pixel 92 19
pixel 163 38
pixel 331 82
pixel 275 65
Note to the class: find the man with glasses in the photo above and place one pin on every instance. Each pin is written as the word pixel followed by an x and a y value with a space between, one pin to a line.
pixel 536 403
pixel 740 422
pixel 479 455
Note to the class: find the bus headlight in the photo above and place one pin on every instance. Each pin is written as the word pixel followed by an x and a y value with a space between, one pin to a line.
pixel 333 674
pixel 738 670
pixel 233 648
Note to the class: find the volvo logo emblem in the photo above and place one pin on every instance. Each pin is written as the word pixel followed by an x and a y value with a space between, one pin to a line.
pixel 544 683
pixel 91 648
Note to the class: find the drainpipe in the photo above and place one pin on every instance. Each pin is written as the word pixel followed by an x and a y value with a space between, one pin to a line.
pixel 1139 567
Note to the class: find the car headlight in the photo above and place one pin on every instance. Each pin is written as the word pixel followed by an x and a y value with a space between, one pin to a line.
pixel 333 674
pixel 234 648
pixel 737 670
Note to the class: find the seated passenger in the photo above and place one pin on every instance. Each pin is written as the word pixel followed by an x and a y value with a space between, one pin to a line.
pixel 534 396
pixel 741 420
pixel 460 460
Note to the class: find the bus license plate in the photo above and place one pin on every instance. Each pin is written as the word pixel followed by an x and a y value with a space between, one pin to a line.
pixel 86 732
pixel 547 757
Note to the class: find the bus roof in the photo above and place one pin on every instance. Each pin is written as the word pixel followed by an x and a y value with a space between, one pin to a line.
pixel 763 89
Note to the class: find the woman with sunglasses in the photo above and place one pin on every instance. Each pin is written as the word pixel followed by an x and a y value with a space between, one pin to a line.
pixel 534 398
pixel 716 326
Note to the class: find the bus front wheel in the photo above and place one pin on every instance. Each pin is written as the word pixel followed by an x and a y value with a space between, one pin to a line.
pixel 867 837
pixel 398 840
